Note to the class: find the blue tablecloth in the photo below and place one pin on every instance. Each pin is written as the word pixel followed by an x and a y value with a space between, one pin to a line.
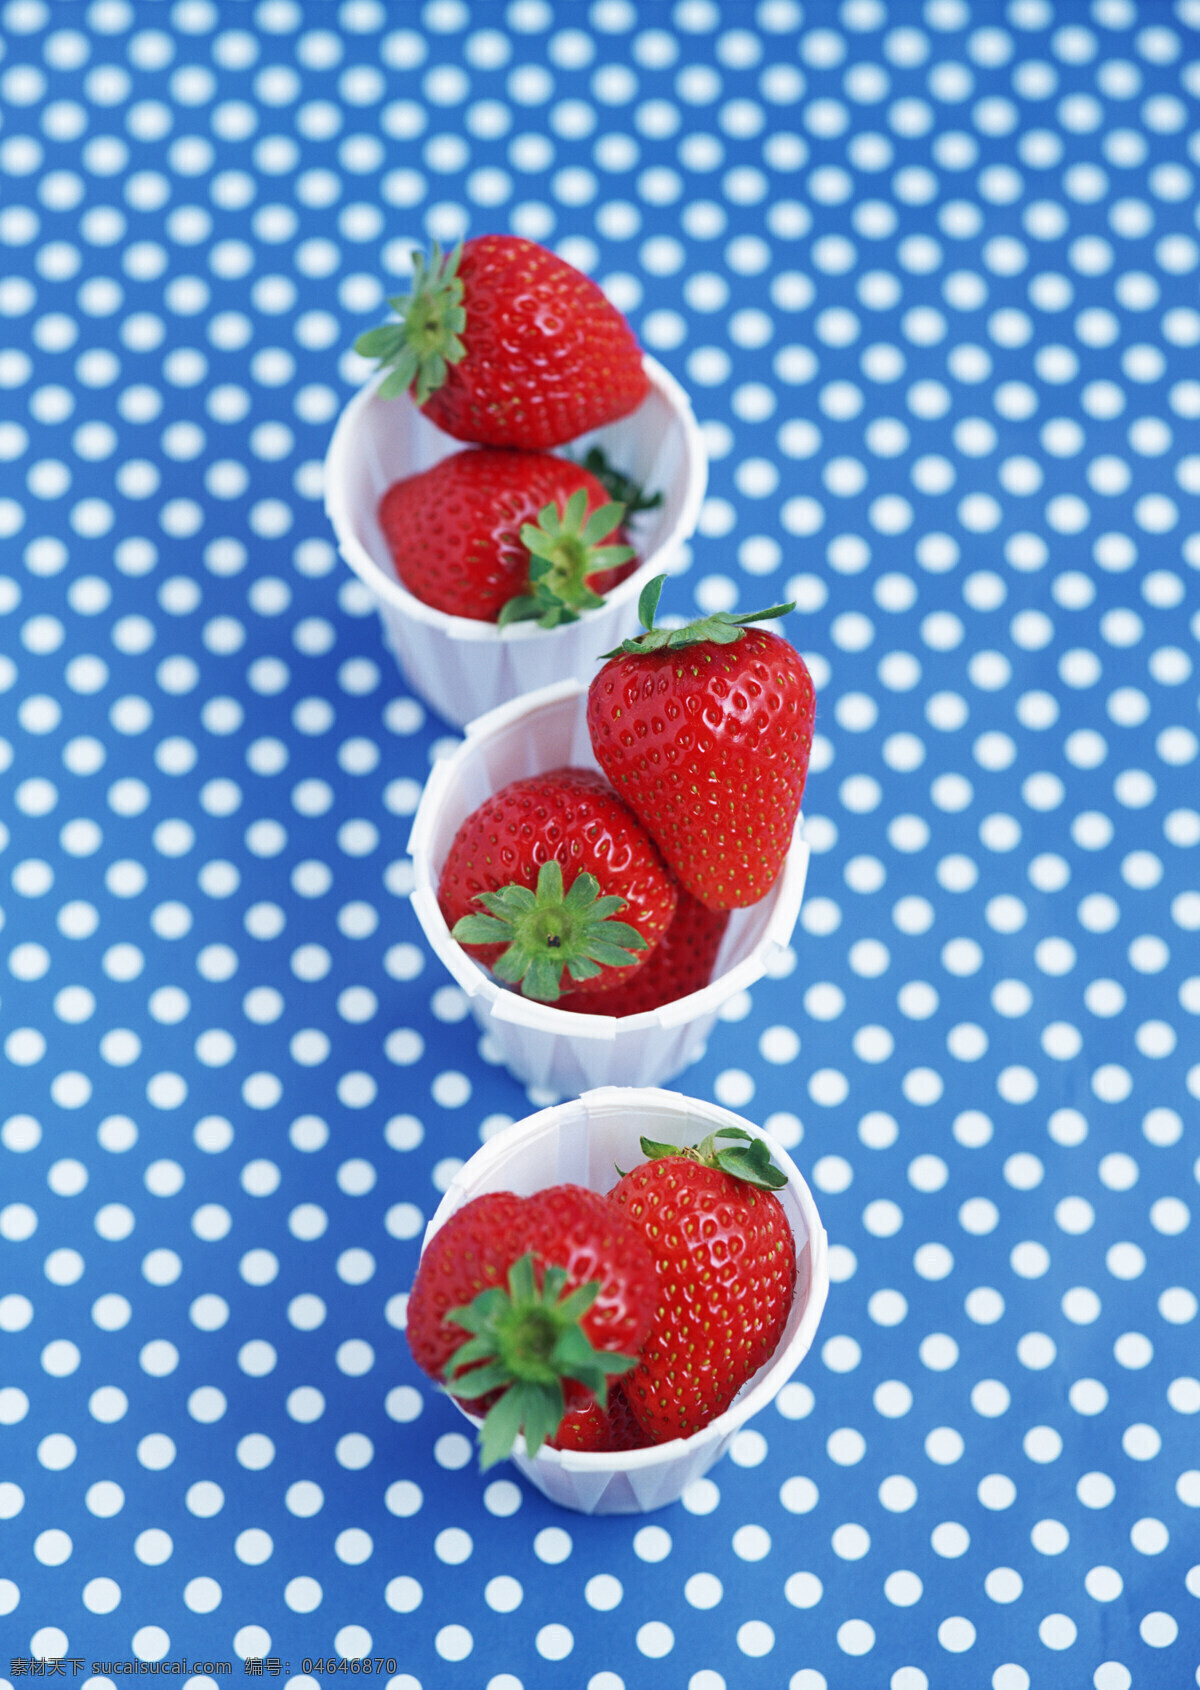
pixel 930 275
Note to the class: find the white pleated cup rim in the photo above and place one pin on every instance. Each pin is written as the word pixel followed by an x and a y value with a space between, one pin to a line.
pixel 349 520
pixel 485 1172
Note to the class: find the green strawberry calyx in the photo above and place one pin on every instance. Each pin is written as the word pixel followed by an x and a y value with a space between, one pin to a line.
pixel 424 340
pixel 525 1341
pixel 565 547
pixel 748 1158
pixel 620 486
pixel 718 629
pixel 549 931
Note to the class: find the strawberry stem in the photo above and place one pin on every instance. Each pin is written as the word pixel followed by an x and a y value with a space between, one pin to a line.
pixel 418 347
pixel 718 629
pixel 564 549
pixel 747 1159
pixel 549 932
pixel 525 1341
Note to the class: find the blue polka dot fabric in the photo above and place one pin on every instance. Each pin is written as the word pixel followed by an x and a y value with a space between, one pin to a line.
pixel 929 273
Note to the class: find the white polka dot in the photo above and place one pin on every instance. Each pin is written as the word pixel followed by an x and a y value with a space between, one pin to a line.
pixel 855 1637
pixel 302 1595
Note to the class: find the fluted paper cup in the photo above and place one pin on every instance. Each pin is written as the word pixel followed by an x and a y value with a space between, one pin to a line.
pixel 462 667
pixel 583 1143
pixel 552 1048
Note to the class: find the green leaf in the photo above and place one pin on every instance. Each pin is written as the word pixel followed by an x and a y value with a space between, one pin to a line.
pixel 542 1412
pixel 500 1429
pixel 509 902
pixel 583 968
pixel 621 933
pixel 601 522
pixel 393 386
pixel 479 1381
pixel 654 1150
pixel 522 1285
pixel 751 1170
pixel 539 542
pixel 550 882
pixel 577 1302
pixel 512 965
pixel 480 1348
pixel 573 515
pixel 584 892
pixel 619 485
pixel 541 980
pixel 556 616
pixel 523 608
pixel 481 930
pixel 577 1360
pixel 609 557
pixel 656 640
pixel 648 602
pixel 719 633
pixel 610 956
pixel 380 342
pixel 775 611
pixel 475 1315
pixel 431 373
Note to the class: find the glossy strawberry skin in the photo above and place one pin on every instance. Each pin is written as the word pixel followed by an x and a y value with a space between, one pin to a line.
pixel 681 962
pixel 454 531
pixel 709 745
pixel 606 1431
pixel 726 1263
pixel 574 816
pixel 564 1226
pixel 547 356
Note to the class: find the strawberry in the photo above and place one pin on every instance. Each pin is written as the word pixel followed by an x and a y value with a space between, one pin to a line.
pixel 706 732
pixel 506 536
pixel 551 859
pixel 726 1262
pixel 606 1429
pixel 505 344
pixel 524 1306
pixel 680 963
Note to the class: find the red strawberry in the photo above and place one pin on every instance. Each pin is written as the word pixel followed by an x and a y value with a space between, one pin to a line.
pixel 726 1262
pixel 505 344
pixel 606 1429
pixel 524 1306
pixel 680 963
pixel 706 731
pixel 552 858
pixel 506 536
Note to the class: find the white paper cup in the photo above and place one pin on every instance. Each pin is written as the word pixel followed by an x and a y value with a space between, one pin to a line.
pixel 551 1048
pixel 461 667
pixel 582 1143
